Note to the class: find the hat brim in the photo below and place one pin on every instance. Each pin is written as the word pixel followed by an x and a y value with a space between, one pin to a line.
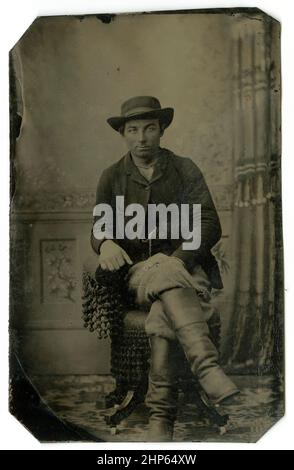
pixel 165 115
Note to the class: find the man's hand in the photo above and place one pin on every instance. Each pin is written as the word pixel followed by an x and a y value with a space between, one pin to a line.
pixel 112 256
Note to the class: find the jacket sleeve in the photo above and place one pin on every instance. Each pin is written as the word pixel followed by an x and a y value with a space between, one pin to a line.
pixel 103 195
pixel 196 192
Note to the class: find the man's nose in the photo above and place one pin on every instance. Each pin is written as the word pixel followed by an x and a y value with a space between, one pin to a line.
pixel 142 136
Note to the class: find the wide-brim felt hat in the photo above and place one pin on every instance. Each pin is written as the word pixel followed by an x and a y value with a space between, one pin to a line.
pixel 142 107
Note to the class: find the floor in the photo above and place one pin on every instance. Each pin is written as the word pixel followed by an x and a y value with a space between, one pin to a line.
pixel 80 401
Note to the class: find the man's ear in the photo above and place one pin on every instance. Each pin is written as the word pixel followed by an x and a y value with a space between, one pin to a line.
pixel 122 130
pixel 162 128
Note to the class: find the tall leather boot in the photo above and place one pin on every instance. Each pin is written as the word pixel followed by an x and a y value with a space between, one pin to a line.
pixel 184 310
pixel 162 392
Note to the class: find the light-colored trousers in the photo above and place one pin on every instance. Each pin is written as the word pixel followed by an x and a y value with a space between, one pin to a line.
pixel 147 279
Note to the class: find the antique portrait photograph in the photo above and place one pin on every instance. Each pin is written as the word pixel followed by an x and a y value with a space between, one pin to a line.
pixel 146 249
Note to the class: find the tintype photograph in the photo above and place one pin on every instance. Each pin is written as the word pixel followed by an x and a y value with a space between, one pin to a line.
pixel 146 255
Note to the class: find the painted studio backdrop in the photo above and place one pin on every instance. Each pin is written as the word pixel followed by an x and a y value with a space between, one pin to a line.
pixel 221 74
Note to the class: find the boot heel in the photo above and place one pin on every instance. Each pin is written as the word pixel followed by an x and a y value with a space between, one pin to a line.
pixel 211 412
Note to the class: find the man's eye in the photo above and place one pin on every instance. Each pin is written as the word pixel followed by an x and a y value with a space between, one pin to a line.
pixel 132 129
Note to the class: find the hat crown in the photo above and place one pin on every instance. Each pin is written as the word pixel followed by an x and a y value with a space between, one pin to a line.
pixel 141 107
pixel 136 102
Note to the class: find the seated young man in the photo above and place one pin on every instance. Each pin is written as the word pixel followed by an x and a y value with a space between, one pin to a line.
pixel 173 281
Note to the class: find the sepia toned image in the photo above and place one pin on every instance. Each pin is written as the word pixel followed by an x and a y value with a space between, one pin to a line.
pixel 146 252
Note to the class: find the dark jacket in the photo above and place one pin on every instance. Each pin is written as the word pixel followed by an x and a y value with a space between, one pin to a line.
pixel 175 180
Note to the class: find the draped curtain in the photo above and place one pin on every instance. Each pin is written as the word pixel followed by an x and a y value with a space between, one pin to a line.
pixel 254 337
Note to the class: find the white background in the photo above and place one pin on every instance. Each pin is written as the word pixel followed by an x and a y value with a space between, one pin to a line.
pixel 16 18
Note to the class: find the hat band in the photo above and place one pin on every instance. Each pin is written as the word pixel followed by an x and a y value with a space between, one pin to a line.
pixel 135 111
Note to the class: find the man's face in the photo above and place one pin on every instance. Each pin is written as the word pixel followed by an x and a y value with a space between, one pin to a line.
pixel 142 137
